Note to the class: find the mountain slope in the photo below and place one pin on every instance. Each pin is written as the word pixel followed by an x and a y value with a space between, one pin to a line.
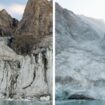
pixel 80 56
pixel 77 30
pixel 7 24
pixel 26 66
pixel 37 19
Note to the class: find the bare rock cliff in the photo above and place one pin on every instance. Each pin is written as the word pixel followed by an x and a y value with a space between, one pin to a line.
pixel 37 19
pixel 7 24
pixel 26 53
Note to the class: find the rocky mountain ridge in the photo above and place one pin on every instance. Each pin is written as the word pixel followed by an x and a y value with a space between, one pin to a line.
pixel 7 23
pixel 25 55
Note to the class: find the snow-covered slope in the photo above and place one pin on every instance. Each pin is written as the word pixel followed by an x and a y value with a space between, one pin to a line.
pixel 80 56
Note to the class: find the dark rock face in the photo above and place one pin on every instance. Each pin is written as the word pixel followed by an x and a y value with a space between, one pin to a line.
pixel 80 97
pixel 7 24
pixel 37 19
pixel 35 25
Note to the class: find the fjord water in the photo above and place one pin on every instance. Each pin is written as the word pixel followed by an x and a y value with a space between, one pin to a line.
pixel 5 102
pixel 81 102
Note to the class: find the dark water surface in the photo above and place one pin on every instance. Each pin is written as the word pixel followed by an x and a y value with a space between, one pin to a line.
pixel 5 102
pixel 81 102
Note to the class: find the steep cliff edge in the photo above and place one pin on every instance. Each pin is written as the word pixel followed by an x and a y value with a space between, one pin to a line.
pixel 25 63
pixel 80 56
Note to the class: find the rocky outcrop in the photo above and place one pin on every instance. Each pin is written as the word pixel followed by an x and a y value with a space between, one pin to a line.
pixel 37 19
pixel 80 56
pixel 26 61
pixel 34 26
pixel 7 24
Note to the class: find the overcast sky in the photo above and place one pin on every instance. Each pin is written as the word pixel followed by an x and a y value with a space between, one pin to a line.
pixel 14 7
pixel 90 8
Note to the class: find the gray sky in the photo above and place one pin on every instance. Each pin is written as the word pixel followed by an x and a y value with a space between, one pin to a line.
pixel 90 8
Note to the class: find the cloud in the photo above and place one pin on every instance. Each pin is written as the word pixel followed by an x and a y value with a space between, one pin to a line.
pixel 15 10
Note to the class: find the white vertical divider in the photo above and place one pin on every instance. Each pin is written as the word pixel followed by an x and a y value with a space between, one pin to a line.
pixel 53 52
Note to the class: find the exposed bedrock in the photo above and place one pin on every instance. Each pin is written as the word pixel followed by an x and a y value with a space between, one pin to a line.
pixel 26 53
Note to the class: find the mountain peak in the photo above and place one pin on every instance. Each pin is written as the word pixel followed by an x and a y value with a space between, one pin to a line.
pixel 3 11
pixel 7 23
pixel 37 18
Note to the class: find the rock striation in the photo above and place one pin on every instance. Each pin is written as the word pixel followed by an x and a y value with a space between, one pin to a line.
pixel 80 56
pixel 26 70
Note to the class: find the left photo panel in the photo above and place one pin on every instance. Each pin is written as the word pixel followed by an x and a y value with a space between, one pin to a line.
pixel 26 52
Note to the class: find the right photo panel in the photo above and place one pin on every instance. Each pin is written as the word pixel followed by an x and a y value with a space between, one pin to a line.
pixel 80 52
